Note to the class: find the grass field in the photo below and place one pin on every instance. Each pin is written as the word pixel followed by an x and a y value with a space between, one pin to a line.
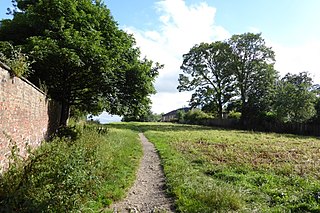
pixel 207 170
pixel 216 170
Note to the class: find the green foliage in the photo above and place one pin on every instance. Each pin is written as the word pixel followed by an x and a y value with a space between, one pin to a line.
pixel 195 116
pixel 70 132
pixel 81 176
pixel 147 116
pixel 238 74
pixel 316 118
pixel 77 115
pixel 271 117
pixel 15 59
pixel 255 75
pixel 214 170
pixel 220 72
pixel 82 56
pixel 181 116
pixel 295 102
pixel 234 115
pixel 208 73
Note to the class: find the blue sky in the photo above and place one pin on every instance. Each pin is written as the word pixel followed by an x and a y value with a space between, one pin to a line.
pixel 285 21
pixel 166 29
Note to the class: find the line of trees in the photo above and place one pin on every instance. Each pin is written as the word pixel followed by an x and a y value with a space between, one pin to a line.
pixel 238 75
pixel 78 52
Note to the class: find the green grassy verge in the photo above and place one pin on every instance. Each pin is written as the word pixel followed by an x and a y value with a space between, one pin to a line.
pixel 215 170
pixel 84 175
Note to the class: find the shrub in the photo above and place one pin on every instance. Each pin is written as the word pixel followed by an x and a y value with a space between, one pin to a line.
pixel 181 116
pixel 69 132
pixel 15 59
pixel 234 115
pixel 54 178
pixel 270 117
pixel 84 175
pixel 195 116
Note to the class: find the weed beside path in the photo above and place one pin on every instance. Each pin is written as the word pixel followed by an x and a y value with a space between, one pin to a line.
pixel 84 175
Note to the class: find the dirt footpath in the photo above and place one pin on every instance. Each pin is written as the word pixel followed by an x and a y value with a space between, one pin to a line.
pixel 148 191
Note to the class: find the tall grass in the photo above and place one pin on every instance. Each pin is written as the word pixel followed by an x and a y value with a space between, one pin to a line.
pixel 193 191
pixel 84 175
pixel 216 170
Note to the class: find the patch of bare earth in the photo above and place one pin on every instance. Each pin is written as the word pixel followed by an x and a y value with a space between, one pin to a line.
pixel 148 192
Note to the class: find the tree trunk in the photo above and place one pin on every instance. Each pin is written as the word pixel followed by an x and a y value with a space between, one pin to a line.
pixel 220 110
pixel 244 112
pixel 65 112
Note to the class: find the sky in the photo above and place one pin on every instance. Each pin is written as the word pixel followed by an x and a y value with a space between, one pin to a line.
pixel 166 29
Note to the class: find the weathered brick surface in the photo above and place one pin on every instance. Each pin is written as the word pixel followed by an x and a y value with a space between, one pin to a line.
pixel 26 116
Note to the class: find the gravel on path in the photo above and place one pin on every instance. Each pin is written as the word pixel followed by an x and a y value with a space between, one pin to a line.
pixel 148 192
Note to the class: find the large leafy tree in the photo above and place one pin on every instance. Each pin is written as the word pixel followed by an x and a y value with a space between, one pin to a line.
pixel 316 90
pixel 81 56
pixel 207 72
pixel 295 101
pixel 255 75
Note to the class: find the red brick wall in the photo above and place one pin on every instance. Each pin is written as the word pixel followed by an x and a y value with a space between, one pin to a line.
pixel 25 113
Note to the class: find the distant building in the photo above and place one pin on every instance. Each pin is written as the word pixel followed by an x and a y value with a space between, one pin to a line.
pixel 172 116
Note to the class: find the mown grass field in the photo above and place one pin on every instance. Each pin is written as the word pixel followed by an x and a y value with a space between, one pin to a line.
pixel 82 175
pixel 216 170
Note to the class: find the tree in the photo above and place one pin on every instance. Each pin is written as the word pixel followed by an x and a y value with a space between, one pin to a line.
pixel 252 64
pixel 82 56
pixel 149 116
pixel 316 90
pixel 316 118
pixel 295 102
pixel 207 73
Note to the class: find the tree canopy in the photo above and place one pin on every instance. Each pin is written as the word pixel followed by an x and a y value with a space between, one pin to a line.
pixel 295 101
pixel 81 55
pixel 220 73
pixel 255 75
pixel 208 72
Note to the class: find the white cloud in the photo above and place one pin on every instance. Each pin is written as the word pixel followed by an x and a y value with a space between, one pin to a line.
pixel 168 101
pixel 181 27
pixel 295 59
pixel 105 117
